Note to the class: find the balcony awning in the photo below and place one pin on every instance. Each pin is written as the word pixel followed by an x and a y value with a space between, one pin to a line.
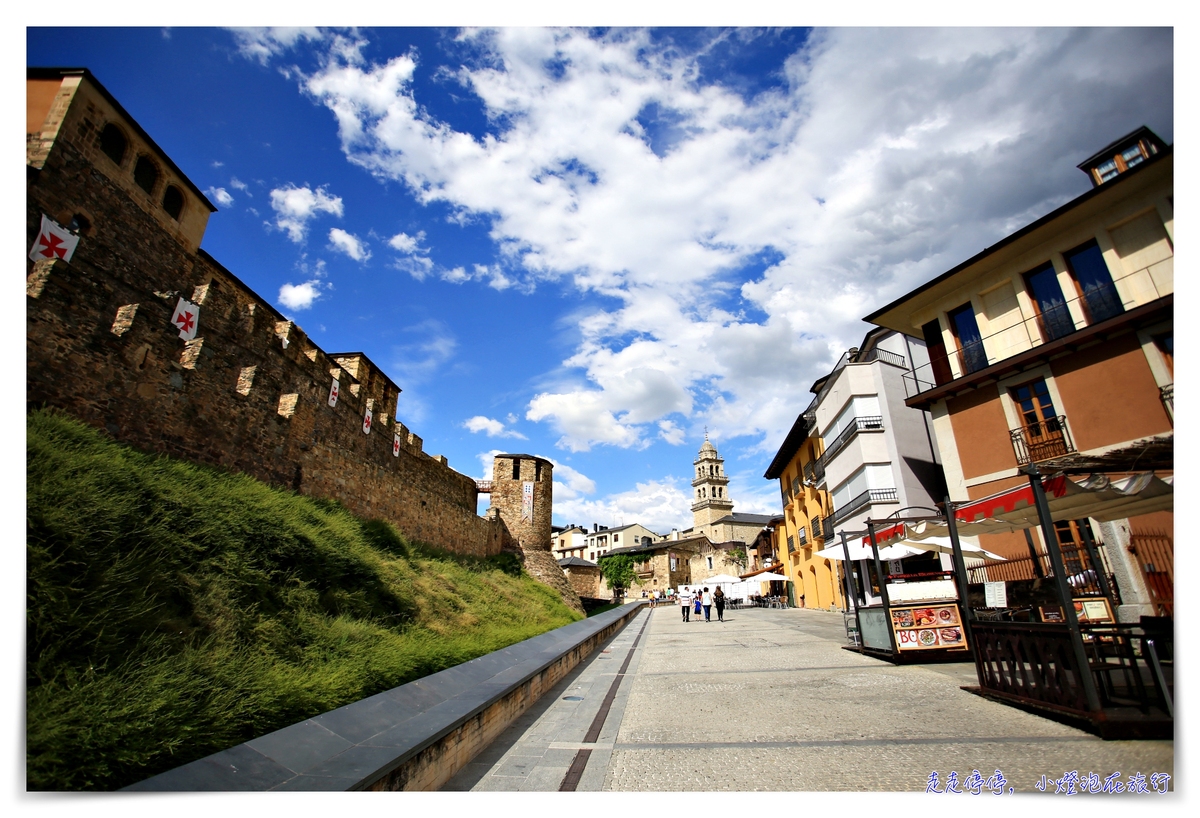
pixel 1096 496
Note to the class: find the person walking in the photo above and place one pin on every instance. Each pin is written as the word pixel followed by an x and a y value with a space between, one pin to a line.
pixel 697 602
pixel 685 602
pixel 719 601
pixel 708 603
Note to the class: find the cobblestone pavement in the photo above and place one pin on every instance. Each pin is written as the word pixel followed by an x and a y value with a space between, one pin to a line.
pixel 769 701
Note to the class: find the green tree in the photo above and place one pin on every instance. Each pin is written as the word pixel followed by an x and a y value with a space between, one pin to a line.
pixel 737 556
pixel 617 569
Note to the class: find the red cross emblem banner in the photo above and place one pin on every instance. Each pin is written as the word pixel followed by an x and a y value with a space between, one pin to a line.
pixel 333 393
pixel 53 241
pixel 527 501
pixel 367 422
pixel 395 445
pixel 186 319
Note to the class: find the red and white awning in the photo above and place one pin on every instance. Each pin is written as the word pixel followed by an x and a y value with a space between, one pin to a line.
pixel 1096 496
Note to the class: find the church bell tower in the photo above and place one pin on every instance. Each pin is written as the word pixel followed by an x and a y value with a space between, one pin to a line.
pixel 710 489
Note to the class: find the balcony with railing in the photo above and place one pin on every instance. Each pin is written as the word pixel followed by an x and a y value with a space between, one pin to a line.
pixel 868 497
pixel 1042 440
pixel 814 471
pixel 802 535
pixel 791 544
pixel 1099 303
pixel 864 424
pixel 1167 395
pixel 825 530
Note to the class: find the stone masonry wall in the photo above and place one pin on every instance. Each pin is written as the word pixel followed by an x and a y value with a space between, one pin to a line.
pixel 249 393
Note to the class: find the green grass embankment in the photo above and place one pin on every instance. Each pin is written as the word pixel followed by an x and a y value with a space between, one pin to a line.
pixel 175 610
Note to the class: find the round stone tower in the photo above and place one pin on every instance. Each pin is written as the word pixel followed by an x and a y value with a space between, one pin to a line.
pixel 523 498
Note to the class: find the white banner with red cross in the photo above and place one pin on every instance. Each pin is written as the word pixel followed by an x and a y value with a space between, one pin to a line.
pixel 367 422
pixel 395 445
pixel 186 319
pixel 53 241
pixel 333 393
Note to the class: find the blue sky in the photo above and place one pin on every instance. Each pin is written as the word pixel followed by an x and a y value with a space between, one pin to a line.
pixel 592 244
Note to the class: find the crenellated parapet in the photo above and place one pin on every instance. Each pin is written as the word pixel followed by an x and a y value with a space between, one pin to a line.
pixel 249 391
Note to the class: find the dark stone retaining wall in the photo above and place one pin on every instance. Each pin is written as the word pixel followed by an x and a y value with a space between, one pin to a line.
pixel 412 737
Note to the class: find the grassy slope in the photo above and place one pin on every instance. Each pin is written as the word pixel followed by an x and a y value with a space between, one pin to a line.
pixel 175 610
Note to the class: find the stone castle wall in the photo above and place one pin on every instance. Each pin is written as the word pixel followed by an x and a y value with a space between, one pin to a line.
pixel 249 393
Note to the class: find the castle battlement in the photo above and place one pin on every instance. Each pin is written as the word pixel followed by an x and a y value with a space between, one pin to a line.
pixel 250 392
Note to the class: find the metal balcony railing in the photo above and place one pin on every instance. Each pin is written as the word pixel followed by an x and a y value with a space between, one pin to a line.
pixel 791 544
pixel 1099 302
pixel 803 534
pixel 1167 394
pixel 814 471
pixel 1042 440
pixel 866 498
pixel 865 424
pixel 826 528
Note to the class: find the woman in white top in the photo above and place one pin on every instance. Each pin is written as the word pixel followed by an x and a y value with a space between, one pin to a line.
pixel 707 602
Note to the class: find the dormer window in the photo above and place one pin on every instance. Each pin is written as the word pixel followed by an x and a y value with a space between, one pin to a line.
pixel 1133 156
pixel 1127 152
pixel 1108 170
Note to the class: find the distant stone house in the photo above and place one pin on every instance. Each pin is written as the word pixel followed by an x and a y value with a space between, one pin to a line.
pixel 663 564
pixel 585 578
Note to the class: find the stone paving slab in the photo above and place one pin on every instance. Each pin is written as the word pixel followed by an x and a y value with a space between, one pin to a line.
pixel 768 701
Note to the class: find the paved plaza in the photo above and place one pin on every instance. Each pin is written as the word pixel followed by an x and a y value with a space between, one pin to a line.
pixel 769 701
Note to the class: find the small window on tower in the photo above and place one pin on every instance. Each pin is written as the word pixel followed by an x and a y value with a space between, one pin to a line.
pixel 113 143
pixel 173 202
pixel 145 174
pixel 516 468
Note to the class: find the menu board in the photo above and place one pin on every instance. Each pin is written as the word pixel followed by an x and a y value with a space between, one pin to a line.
pixel 1093 610
pixel 928 626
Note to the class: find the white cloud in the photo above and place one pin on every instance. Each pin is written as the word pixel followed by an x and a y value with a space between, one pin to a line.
pixel 263 43
pixel 494 428
pixel 221 195
pixel 419 360
pixel 349 244
pixel 238 184
pixel 406 243
pixel 300 296
pixel 295 206
pixel 671 433
pixel 743 237
pixel 657 504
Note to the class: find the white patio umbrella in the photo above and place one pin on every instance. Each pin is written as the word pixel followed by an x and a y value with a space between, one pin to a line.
pixel 772 577
pixel 719 579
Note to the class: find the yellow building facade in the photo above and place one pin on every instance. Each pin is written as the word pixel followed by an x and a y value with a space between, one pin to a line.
pixel 816 580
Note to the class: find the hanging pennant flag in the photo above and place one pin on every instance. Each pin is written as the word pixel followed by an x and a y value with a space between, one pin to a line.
pixel 527 501
pixel 367 423
pixel 53 241
pixel 395 445
pixel 333 393
pixel 186 319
